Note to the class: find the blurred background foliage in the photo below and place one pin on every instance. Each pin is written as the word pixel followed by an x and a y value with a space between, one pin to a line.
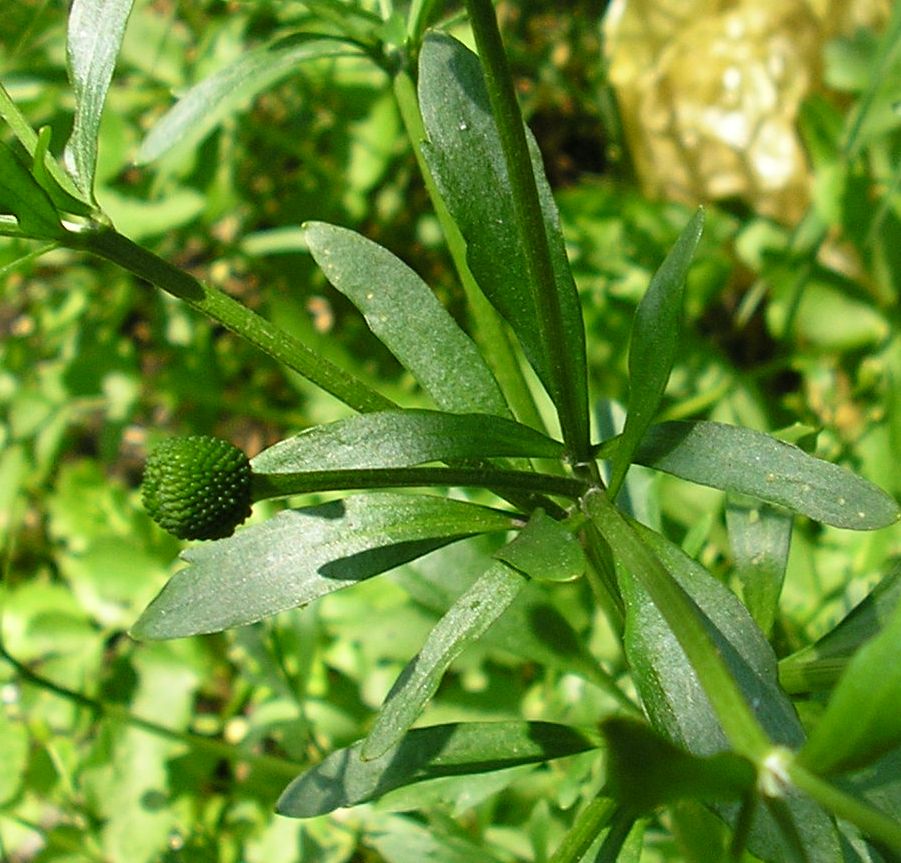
pixel 782 116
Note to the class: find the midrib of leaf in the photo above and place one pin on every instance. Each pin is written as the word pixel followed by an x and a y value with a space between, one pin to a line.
pixel 531 228
pixel 681 615
pixel 490 334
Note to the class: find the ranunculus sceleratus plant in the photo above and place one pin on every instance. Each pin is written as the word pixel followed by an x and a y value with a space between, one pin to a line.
pixel 711 720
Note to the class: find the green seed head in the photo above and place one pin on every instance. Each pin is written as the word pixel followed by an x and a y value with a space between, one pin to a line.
pixel 197 487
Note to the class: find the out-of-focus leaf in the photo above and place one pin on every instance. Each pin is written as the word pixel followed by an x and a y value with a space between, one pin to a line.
pixel 546 550
pixel 405 840
pixel 139 219
pixel 818 665
pixel 760 536
pixel 343 778
pixel 211 101
pixel 404 313
pixel 14 745
pixel 748 462
pixel 653 345
pixel 465 156
pixel 465 622
pixel 303 554
pixel 645 771
pixel 96 28
pixel 22 197
pixel 388 439
pixel 863 717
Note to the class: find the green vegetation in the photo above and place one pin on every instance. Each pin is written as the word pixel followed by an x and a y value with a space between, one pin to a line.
pixel 574 531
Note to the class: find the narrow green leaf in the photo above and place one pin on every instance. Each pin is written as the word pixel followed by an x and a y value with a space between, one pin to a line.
pixel 224 93
pixel 465 157
pixel 534 627
pixel 464 623
pixel 863 717
pixel 760 537
pixel 818 666
pixel 752 463
pixel 404 313
pixel 61 198
pixel 644 770
pixel 677 695
pixel 303 554
pixel 546 550
pixel 22 197
pixel 95 32
pixel 387 439
pixel 653 345
pixel 345 779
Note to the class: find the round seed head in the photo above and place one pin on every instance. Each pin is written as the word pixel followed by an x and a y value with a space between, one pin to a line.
pixel 197 487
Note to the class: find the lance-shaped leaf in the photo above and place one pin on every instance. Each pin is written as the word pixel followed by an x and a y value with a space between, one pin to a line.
pixel 863 717
pixel 95 32
pixel 387 439
pixel 404 313
pixel 207 104
pixel 344 779
pixel 464 623
pixel 760 536
pixel 677 701
pixel 303 554
pixel 748 462
pixel 465 156
pixel 22 197
pixel 653 345
pixel 818 666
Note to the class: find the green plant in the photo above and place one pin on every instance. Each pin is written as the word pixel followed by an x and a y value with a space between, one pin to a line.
pixel 721 727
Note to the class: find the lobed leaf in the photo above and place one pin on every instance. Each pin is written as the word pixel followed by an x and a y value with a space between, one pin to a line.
pixel 388 439
pixel 343 778
pixel 404 313
pixel 300 555
pixel 463 624
pixel 653 345
pixel 863 717
pixel 464 154
pixel 748 462
pixel 207 104
pixel 22 197
pixel 94 37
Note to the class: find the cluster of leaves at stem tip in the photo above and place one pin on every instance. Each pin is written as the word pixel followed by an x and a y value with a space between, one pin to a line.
pixel 719 726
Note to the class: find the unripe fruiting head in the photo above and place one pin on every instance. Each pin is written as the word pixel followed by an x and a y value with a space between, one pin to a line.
pixel 197 487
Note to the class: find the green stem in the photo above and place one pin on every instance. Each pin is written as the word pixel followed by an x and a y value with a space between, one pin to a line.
pixel 871 821
pixel 530 222
pixel 490 333
pixel 267 485
pixel 107 243
pixel 590 822
pixel 277 766
pixel 684 620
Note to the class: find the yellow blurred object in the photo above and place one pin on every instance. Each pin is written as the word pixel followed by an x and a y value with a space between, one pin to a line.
pixel 709 92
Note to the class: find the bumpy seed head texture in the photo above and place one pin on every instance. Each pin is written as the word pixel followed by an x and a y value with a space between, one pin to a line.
pixel 197 487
